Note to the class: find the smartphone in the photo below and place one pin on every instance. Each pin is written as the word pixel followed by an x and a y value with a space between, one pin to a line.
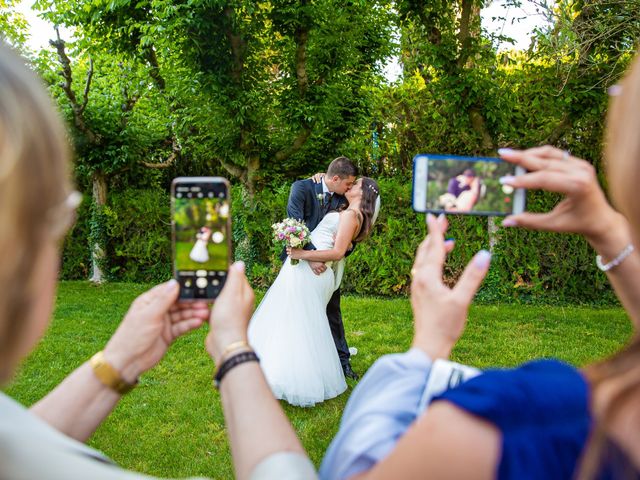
pixel 201 235
pixel 465 185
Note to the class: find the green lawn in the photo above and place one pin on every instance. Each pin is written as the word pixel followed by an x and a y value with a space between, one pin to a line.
pixel 217 257
pixel 172 424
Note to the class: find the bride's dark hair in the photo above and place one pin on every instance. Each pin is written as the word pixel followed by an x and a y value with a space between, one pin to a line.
pixel 370 193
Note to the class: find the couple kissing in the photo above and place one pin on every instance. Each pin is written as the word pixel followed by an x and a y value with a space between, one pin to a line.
pixel 297 329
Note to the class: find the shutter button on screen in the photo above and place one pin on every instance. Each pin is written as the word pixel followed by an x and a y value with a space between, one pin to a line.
pixel 201 282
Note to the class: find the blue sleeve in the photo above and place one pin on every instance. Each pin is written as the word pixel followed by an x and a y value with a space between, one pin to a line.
pixel 379 411
pixel 541 410
pixel 295 205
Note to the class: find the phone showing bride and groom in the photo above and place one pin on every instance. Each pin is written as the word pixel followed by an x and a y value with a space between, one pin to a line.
pixel 201 235
pixel 465 185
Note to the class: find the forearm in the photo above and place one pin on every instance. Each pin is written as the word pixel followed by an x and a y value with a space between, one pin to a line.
pixel 78 405
pixel 256 424
pixel 613 239
pixel 378 413
pixel 322 255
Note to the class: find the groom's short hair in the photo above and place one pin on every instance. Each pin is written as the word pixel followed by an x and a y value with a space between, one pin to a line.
pixel 342 167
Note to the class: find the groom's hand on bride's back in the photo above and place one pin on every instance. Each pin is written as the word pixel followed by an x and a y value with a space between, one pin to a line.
pixel 231 312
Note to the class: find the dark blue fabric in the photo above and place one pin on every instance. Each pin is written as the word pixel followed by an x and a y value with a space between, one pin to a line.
pixel 542 410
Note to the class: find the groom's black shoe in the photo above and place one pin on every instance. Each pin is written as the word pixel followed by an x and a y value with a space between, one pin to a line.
pixel 349 373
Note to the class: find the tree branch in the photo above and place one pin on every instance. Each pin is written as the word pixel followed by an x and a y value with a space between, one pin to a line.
pixel 66 85
pixel 464 32
pixel 480 126
pixel 87 86
pixel 238 46
pixel 235 170
pixel 558 132
pixel 175 152
pixel 301 37
pixel 154 72
pixel 298 143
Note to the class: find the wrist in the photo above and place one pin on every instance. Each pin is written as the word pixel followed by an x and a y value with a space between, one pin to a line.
pixel 218 343
pixel 109 376
pixel 612 236
pixel 127 367
pixel 433 349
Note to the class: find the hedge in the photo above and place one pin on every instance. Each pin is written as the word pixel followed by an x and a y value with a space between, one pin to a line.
pixel 527 266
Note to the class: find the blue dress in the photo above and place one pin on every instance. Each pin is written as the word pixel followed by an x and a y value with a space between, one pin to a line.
pixel 542 411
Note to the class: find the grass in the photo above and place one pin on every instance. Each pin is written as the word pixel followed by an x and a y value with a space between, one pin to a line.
pixel 172 425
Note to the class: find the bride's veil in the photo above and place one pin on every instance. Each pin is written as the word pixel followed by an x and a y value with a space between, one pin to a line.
pixel 376 211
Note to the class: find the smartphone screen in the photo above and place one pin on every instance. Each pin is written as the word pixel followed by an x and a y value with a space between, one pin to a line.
pixel 201 226
pixel 465 185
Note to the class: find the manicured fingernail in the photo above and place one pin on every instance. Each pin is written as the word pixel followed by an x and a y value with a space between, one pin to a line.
pixel 505 151
pixel 509 222
pixel 507 179
pixel 171 284
pixel 441 217
pixel 450 239
pixel 238 266
pixel 482 259
pixel 430 216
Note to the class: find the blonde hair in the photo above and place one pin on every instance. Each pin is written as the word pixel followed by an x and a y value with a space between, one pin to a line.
pixel 34 180
pixel 616 381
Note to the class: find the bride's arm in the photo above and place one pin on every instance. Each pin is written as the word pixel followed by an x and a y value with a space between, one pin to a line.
pixel 347 229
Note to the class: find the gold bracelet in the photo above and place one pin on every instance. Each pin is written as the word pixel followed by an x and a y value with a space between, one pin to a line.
pixel 108 375
pixel 232 347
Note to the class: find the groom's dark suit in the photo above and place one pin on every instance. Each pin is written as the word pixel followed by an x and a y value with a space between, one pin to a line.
pixel 304 204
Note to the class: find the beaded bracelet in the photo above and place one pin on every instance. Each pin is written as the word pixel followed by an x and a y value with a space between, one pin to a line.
pixel 234 361
pixel 605 267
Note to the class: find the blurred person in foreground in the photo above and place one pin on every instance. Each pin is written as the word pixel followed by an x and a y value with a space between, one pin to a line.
pixel 545 419
pixel 37 205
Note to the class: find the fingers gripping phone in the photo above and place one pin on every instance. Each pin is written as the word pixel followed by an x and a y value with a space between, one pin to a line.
pixel 201 235
pixel 465 185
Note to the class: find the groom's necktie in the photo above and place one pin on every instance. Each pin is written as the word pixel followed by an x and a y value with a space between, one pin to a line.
pixel 327 202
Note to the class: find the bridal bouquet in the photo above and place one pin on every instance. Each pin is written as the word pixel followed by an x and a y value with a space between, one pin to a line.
pixel 291 233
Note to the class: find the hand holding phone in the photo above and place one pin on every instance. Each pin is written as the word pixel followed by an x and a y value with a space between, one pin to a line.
pixel 465 185
pixel 201 235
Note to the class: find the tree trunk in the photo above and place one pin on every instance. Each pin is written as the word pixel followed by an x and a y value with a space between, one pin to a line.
pixel 97 227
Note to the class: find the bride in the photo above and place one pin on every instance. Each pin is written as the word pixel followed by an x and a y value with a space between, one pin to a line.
pixel 289 331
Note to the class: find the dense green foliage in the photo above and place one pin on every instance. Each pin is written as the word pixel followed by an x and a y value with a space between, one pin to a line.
pixel 268 92
pixel 527 266
pixel 172 425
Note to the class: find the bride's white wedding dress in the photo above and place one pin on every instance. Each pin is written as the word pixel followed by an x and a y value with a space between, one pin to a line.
pixel 290 331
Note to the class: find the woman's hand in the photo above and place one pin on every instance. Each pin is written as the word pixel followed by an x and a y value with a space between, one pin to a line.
pixel 440 312
pixel 317 178
pixel 152 323
pixel 295 253
pixel 231 313
pixel 584 209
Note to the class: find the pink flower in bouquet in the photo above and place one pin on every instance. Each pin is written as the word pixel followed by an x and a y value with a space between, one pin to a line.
pixel 291 233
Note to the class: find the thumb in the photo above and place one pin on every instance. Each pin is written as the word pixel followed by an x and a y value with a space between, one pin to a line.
pixel 162 297
pixel 235 280
pixel 473 276
pixel 532 221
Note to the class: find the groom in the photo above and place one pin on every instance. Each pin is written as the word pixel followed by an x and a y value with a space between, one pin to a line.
pixel 310 201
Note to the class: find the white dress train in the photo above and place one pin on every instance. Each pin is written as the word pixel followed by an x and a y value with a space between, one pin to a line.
pixel 290 331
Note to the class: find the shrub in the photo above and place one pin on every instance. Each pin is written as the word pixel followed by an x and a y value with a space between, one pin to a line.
pixel 527 266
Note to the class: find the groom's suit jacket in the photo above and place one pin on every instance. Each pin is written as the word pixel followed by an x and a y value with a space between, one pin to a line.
pixel 304 204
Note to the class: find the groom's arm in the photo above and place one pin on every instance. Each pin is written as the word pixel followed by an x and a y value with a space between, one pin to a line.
pixel 295 205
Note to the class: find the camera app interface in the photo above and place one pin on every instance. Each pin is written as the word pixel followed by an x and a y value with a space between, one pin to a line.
pixel 200 215
pixel 469 186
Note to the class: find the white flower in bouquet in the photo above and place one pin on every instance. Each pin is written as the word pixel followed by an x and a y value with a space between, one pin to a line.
pixel 291 233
